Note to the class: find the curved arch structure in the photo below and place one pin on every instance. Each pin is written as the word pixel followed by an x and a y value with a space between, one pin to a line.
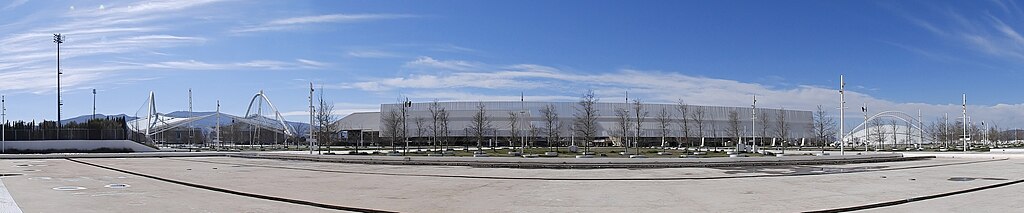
pixel 259 120
pixel 914 123
pixel 155 122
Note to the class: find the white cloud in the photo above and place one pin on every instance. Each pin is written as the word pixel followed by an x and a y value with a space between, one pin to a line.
pixel 255 64
pixel 372 54
pixel 428 62
pixel 294 22
pixel 14 4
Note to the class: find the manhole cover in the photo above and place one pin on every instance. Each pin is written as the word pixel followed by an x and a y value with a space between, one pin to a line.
pixel 117 186
pixel 68 188
pixel 8 174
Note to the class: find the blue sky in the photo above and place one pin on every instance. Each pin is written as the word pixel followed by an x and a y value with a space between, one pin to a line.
pixel 896 55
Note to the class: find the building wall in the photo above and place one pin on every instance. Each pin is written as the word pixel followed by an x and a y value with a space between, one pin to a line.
pixel 716 124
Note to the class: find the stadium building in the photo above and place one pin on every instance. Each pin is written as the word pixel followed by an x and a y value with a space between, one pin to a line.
pixel 531 125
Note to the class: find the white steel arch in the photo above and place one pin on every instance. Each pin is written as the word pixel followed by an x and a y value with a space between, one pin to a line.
pixel 259 120
pixel 915 124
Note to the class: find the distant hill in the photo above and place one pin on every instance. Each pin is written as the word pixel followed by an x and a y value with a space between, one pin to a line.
pixel 86 118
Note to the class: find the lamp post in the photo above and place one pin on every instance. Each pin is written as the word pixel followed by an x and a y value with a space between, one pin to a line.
pixel 753 125
pixel 3 129
pixel 965 122
pixel 405 125
pixel 842 113
pixel 94 104
pixel 58 39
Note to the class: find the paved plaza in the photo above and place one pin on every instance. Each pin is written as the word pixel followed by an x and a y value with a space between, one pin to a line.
pixel 176 184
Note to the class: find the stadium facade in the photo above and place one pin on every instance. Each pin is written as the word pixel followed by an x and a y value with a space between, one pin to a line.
pixel 367 126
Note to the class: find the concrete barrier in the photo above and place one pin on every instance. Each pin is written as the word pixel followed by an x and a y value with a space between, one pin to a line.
pixel 82 145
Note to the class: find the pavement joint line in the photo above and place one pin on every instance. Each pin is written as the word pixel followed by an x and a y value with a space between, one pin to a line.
pixel 585 179
pixel 916 199
pixel 583 165
pixel 7 203
pixel 240 193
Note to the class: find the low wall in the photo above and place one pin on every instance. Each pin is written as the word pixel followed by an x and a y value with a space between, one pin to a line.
pixel 1006 150
pixel 84 145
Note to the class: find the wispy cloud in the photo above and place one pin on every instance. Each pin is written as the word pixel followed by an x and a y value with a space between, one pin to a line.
pixel 256 64
pixel 95 31
pixel 431 63
pixel 14 4
pixel 372 54
pixel 297 22
pixel 985 32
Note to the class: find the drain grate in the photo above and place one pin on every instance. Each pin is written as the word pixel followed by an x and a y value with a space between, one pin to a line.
pixel 68 188
pixel 117 186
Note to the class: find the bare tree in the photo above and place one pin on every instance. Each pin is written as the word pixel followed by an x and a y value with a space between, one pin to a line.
pixel 877 133
pixel 735 131
pixel 586 118
pixel 552 126
pixel 684 122
pixel 392 126
pixel 895 133
pixel 698 118
pixel 823 127
pixel 664 118
pixel 765 123
pixel 782 128
pixel 435 127
pixel 641 115
pixel 623 120
pixel 513 123
pixel 479 125
pixel 325 118
pixel 421 127
pixel 445 131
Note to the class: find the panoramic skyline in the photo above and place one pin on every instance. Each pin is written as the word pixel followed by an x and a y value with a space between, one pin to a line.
pixel 904 56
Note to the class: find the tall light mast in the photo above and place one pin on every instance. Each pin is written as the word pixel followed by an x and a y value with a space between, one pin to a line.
pixel 311 112
pixel 94 104
pixel 965 122
pixel 3 129
pixel 753 125
pixel 59 39
pixel 218 123
pixel 191 133
pixel 842 115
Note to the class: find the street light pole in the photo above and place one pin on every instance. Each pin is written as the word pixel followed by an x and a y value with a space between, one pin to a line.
pixel 842 115
pixel 94 104
pixel 405 125
pixel 59 39
pixel 753 125
pixel 965 122
pixel 3 132
pixel 311 112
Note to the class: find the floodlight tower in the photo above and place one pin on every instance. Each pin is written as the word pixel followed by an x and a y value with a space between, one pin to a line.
pixel 59 39
pixel 94 104
pixel 842 115
pixel 753 125
pixel 965 122
pixel 311 112
pixel 3 129
pixel 218 124
pixel 405 126
pixel 191 133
